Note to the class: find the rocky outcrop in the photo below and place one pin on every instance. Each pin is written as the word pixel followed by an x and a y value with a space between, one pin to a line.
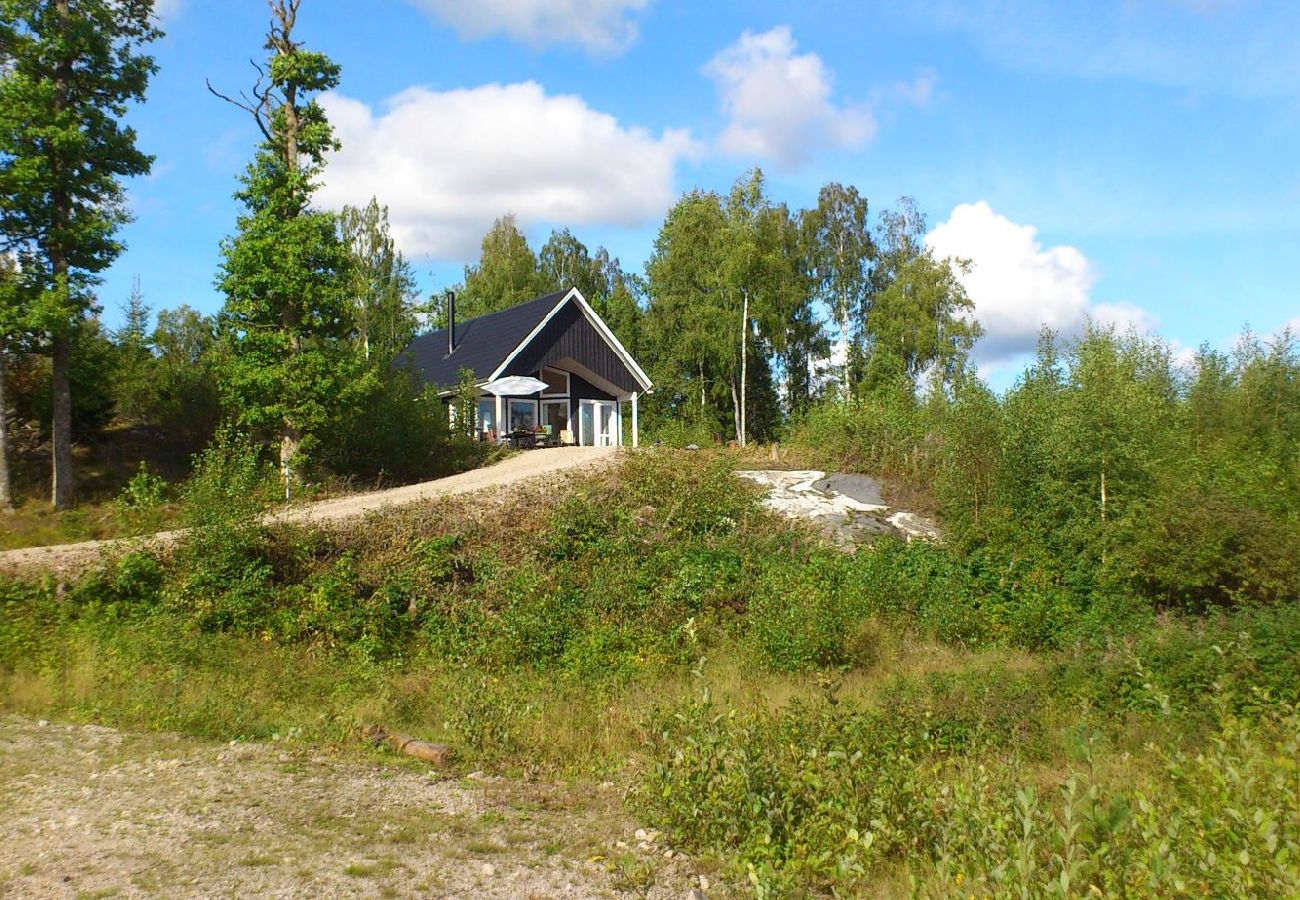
pixel 849 508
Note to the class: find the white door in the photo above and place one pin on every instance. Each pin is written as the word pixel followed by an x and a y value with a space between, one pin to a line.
pixel 597 423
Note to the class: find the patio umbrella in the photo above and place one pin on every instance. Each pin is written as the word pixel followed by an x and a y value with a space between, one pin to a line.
pixel 515 386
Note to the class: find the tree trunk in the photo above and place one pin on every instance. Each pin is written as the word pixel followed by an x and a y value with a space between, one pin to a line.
pixel 844 319
pixel 744 363
pixel 1104 498
pixel 735 404
pixel 63 486
pixel 290 439
pixel 6 481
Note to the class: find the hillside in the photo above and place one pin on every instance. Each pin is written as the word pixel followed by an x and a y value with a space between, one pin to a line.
pixel 790 716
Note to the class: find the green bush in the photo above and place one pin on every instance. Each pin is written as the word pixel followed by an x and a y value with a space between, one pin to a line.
pixel 824 795
pixel 140 503
pixel 1224 822
pixel 223 578
pixel 799 618
pixel 934 786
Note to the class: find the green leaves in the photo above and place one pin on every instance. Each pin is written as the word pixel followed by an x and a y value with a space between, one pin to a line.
pixel 506 273
pixel 63 149
pixel 288 368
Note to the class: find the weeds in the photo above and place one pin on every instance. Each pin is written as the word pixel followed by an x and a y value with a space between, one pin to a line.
pixel 874 722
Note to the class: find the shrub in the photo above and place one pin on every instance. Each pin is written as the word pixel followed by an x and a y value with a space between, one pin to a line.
pixel 822 795
pixel 1195 550
pixel 828 798
pixel 332 608
pixel 140 504
pixel 223 579
pixel 798 617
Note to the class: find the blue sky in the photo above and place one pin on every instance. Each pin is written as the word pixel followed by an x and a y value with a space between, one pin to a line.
pixel 1134 161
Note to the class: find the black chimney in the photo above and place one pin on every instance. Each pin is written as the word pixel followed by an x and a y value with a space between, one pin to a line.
pixel 451 322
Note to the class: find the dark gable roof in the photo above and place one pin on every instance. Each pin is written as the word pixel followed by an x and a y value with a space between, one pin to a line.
pixel 482 343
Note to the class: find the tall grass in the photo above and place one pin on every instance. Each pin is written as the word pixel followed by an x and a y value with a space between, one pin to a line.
pixel 902 719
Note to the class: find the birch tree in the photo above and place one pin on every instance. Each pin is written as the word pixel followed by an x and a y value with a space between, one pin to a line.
pixel 9 310
pixel 383 293
pixel 841 252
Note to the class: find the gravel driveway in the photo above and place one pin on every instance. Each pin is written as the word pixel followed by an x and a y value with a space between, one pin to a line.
pixel 66 559
pixel 96 812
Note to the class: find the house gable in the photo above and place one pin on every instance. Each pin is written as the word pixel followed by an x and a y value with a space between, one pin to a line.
pixel 481 342
pixel 570 334
pixel 523 339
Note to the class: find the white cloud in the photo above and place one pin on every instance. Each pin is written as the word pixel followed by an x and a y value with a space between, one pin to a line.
pixel 1291 326
pixel 1018 286
pixel 601 26
pixel 1124 316
pixel 779 103
pixel 449 162
pixel 166 10
pixel 918 92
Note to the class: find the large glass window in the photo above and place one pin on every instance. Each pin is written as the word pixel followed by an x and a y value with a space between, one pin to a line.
pixel 487 414
pixel 557 382
pixel 555 417
pixel 523 415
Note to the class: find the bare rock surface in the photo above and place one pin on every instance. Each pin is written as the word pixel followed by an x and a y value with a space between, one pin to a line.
pixel 90 811
pixel 850 509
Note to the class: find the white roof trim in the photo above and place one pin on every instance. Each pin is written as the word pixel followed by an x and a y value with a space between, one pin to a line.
pixel 574 294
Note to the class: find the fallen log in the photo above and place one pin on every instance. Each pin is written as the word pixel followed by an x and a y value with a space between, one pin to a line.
pixel 438 754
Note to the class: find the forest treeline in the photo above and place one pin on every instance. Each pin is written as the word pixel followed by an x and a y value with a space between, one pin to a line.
pixel 832 326
pixel 304 353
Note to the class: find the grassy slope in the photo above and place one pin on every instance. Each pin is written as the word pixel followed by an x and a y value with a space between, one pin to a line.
pixel 898 757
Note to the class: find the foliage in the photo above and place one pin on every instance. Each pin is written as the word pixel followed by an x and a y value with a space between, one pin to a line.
pixel 837 234
pixel 839 749
pixel 222 579
pixel 506 273
pixel 70 72
pixel 383 293
pixel 288 369
pixel 838 799
pixel 140 503
pixel 727 293
pixel 185 402
pixel 1105 470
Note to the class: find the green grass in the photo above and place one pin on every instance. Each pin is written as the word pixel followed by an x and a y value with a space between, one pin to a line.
pixel 885 723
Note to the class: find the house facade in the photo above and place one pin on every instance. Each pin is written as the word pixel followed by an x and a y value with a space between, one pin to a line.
pixel 584 384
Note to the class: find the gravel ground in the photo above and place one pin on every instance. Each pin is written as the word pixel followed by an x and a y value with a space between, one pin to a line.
pixel 67 559
pixel 87 811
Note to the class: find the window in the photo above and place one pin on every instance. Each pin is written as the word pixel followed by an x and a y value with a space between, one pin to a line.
pixel 523 415
pixel 487 414
pixel 557 382
pixel 555 413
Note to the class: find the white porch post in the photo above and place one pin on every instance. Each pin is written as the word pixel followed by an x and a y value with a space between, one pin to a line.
pixel 500 429
pixel 636 441
pixel 618 423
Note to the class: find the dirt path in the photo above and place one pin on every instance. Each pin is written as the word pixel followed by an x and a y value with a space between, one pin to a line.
pixel 90 811
pixel 522 467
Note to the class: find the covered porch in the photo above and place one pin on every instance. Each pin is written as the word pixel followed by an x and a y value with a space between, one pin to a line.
pixel 568 405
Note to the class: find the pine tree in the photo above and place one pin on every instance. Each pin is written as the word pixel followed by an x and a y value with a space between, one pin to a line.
pixel 286 321
pixel 9 310
pixel 135 383
pixel 70 68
